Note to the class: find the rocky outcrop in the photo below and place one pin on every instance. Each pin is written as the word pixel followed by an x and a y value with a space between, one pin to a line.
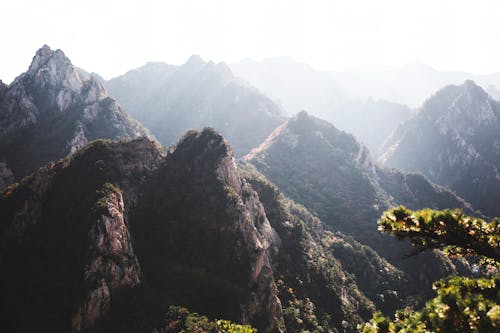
pixel 111 261
pixel 52 110
pixel 64 237
pixel 227 232
pixel 455 141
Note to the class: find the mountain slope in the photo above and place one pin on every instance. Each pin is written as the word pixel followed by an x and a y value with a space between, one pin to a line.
pixel 169 100
pixel 50 111
pixel 455 141
pixel 331 174
pixel 330 256
pixel 110 237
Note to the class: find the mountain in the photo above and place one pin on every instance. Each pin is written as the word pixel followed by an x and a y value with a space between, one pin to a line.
pixel 331 257
pixel 454 140
pixel 410 84
pixel 333 175
pixel 112 236
pixel 169 100
pixel 123 230
pixel 52 110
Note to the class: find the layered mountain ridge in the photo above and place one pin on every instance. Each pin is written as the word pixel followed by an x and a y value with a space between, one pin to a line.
pixel 107 239
pixel 52 110
pixel 333 175
pixel 169 100
pixel 106 235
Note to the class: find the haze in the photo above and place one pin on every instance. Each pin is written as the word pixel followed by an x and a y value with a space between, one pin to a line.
pixel 114 36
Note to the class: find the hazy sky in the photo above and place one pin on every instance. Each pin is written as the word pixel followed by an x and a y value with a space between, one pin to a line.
pixel 111 36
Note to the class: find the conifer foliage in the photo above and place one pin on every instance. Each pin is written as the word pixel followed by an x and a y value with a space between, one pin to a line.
pixel 462 304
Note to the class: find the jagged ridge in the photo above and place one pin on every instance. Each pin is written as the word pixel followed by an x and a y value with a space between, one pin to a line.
pixel 174 99
pixel 50 111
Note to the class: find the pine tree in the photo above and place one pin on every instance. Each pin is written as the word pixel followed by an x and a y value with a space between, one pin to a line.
pixel 462 304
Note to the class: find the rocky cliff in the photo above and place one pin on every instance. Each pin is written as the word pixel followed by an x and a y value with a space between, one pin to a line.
pixel 52 110
pixel 121 229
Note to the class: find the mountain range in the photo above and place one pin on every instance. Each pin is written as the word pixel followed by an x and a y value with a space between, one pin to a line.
pixel 169 100
pixel 107 239
pixel 103 229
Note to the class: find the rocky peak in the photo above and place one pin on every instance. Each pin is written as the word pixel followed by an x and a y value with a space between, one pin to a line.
pixel 459 103
pixel 209 151
pixel 52 69
pixel 51 84
pixel 55 108
pixel 201 146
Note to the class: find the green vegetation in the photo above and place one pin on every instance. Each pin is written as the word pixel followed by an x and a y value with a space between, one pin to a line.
pixel 451 230
pixel 104 195
pixel 316 293
pixel 462 304
pixel 179 319
pixel 333 176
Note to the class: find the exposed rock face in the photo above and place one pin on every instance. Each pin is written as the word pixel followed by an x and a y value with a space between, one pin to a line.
pixel 455 141
pixel 333 175
pixel 169 100
pixel 64 237
pixel 52 110
pixel 227 237
pixel 111 262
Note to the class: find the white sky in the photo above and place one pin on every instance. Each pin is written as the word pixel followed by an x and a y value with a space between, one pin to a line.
pixel 112 36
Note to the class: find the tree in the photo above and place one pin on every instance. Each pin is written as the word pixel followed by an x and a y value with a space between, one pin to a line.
pixel 451 230
pixel 462 304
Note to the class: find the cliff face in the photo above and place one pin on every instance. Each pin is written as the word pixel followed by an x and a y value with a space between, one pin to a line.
pixel 212 233
pixel 454 140
pixel 52 110
pixel 110 263
pixel 64 238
